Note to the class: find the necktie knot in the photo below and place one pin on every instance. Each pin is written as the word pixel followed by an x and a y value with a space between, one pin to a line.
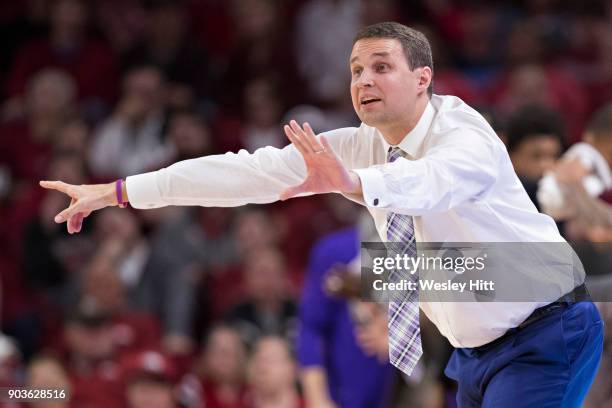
pixel 393 154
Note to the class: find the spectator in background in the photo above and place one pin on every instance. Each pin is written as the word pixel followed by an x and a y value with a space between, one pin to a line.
pixel 185 253
pixel 449 80
pixel 166 45
pixel 89 62
pixel 46 372
pixel 534 142
pixel 218 380
pixel 101 288
pixel 153 282
pixel 48 257
pixel 590 225
pixel 335 370
pixel 533 75
pixel 122 244
pixel 189 134
pixel 594 215
pixel 600 79
pixel 480 29
pixel 122 22
pixel 149 379
pixel 272 375
pixel 269 308
pixel 324 36
pixel 530 84
pixel 54 256
pixel 595 156
pixel 91 359
pixel 26 149
pixel 260 48
pixel 262 119
pixel 132 139
pixel 49 102
pixel 425 387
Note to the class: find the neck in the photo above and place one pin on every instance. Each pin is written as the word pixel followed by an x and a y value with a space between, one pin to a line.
pixel 396 132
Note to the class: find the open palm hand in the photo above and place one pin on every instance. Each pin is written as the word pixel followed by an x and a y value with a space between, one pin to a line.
pixel 326 172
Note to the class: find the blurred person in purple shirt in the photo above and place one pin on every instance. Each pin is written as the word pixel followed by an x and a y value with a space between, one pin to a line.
pixel 335 369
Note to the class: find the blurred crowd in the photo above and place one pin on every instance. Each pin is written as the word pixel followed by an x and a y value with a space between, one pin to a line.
pixel 237 307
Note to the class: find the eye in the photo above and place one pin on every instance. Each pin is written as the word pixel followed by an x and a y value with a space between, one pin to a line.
pixel 357 71
pixel 381 67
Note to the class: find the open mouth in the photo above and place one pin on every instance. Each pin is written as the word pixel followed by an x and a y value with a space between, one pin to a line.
pixel 369 100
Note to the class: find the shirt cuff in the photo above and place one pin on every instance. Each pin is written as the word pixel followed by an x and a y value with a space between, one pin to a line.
pixel 143 192
pixel 373 187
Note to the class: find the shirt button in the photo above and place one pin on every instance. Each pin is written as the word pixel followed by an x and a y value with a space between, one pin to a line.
pixel 375 201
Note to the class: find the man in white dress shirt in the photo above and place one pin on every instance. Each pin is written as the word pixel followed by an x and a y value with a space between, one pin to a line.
pixel 455 183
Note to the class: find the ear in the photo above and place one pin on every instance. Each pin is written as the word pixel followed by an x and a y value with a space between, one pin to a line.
pixel 425 78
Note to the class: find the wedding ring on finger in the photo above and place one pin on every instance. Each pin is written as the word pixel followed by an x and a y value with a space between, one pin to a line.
pixel 319 151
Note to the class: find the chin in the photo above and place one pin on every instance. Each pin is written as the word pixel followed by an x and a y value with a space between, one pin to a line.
pixel 372 120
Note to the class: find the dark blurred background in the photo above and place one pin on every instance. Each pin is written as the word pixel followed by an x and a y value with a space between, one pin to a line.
pixel 225 307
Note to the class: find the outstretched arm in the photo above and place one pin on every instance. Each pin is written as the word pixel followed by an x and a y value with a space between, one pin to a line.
pixel 310 165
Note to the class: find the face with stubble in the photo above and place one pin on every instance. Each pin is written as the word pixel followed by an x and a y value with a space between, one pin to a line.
pixel 384 90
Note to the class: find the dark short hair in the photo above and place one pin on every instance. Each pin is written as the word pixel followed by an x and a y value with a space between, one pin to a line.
pixel 600 124
pixel 414 43
pixel 532 122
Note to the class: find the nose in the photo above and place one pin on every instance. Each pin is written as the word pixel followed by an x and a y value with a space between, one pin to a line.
pixel 364 80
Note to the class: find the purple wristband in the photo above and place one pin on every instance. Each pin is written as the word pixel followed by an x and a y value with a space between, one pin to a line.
pixel 119 191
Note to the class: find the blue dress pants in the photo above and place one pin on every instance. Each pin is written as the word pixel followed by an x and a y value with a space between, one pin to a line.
pixel 548 363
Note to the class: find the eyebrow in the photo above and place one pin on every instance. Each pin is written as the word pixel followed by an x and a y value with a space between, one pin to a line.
pixel 376 54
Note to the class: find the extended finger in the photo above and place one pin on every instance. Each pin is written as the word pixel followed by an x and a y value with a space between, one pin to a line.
pixel 311 138
pixel 299 132
pixel 326 144
pixel 297 142
pixel 67 213
pixel 74 223
pixel 71 224
pixel 59 186
pixel 81 218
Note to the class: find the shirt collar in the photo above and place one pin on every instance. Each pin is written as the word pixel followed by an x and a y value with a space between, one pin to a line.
pixel 413 140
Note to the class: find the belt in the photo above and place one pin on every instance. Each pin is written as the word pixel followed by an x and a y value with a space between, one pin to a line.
pixel 578 294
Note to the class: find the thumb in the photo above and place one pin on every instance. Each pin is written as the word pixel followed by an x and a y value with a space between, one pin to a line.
pixel 293 191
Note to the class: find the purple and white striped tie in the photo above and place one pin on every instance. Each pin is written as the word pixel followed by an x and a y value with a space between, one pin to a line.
pixel 405 348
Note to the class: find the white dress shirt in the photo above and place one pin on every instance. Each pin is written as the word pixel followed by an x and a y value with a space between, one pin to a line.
pixel 458 183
